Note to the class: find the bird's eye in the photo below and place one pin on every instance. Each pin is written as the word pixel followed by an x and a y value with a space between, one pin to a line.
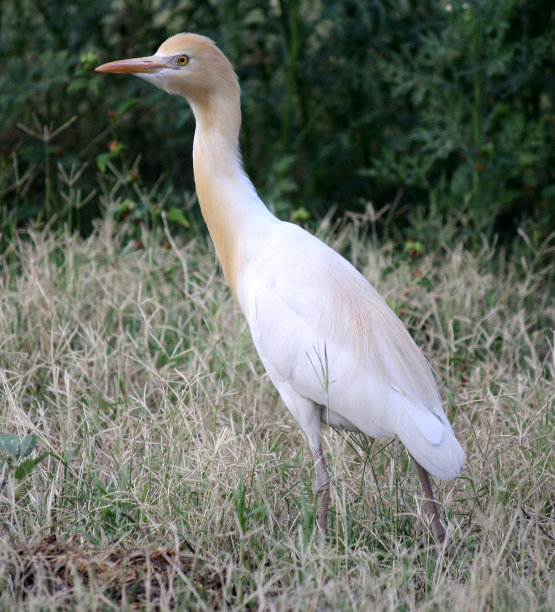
pixel 182 60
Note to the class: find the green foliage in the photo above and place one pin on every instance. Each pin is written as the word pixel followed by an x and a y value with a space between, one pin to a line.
pixel 479 136
pixel 13 452
pixel 443 112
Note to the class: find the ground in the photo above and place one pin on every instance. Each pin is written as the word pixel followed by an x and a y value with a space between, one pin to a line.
pixel 174 477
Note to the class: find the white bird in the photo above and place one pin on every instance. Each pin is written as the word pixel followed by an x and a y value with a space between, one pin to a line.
pixel 330 344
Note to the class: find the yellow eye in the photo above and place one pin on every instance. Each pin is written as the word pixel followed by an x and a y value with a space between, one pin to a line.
pixel 182 60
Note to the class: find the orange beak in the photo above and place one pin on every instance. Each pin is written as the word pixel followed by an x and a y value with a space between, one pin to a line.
pixel 136 65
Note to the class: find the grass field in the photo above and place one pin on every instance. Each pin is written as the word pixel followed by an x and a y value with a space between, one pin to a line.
pixel 176 477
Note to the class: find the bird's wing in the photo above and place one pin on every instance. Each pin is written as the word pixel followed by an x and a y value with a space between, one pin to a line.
pixel 304 302
pixel 324 334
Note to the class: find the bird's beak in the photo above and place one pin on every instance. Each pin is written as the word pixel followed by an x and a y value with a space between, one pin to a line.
pixel 136 65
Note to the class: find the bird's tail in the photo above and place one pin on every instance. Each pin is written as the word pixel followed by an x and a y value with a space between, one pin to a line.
pixel 429 438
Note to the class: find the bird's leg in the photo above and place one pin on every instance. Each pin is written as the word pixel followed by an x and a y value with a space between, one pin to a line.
pixel 322 487
pixel 430 504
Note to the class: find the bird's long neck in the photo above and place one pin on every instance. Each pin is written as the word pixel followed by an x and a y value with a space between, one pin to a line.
pixel 227 198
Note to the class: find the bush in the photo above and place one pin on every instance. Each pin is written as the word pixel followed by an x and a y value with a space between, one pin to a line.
pixel 440 114
pixel 474 92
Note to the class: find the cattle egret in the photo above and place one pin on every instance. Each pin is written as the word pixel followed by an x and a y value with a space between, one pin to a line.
pixel 330 344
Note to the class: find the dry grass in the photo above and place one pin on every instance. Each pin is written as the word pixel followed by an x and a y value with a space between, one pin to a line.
pixel 136 372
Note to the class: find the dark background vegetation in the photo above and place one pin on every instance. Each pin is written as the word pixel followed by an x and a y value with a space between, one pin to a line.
pixel 438 117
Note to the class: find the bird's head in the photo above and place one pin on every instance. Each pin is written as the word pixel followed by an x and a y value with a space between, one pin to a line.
pixel 186 64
